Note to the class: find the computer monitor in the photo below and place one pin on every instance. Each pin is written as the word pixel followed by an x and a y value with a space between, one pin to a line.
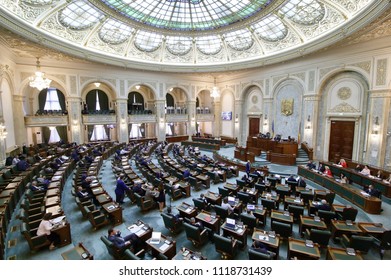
pixel 250 207
pixel 230 223
pixel 231 200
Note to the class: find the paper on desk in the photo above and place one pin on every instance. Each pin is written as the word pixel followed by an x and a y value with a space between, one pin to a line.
pixel 164 247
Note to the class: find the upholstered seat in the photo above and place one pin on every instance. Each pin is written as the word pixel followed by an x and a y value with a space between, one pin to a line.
pixel 296 211
pixel 96 218
pixel 283 229
pixel 327 216
pixel 194 234
pixel 250 220
pixel 224 192
pixel 269 204
pixel 173 225
pixel 200 204
pixel 143 203
pixel 244 198
pixel 321 237
pixel 35 242
pixel 129 255
pixel 358 242
pixel 256 255
pixel 116 253
pixel 226 247
pixel 348 214
pixel 221 212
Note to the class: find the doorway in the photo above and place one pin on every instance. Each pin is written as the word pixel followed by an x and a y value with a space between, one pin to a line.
pixel 253 127
pixel 341 140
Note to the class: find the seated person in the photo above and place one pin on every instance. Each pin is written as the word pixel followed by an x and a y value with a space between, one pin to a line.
pixel 372 191
pixel 365 171
pixel 227 206
pixel 43 181
pixel 327 171
pixel 201 227
pixel 124 242
pixel 137 188
pixel 203 198
pixel 34 186
pixel 388 180
pixel 260 247
pixel 323 205
pixel 358 168
pixel 379 175
pixel 186 174
pixel 22 164
pixel 342 163
pixel 321 168
pixel 310 165
pixel 292 178
pixel 344 179
pixel 177 218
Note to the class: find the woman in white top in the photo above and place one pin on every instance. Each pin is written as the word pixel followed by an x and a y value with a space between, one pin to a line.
pixel 45 228
pixel 365 171
pixel 388 180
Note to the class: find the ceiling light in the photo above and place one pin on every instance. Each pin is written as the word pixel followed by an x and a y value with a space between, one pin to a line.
pixel 97 84
pixel 39 81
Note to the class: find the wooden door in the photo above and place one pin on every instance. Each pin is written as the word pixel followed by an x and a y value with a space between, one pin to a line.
pixel 253 127
pixel 341 140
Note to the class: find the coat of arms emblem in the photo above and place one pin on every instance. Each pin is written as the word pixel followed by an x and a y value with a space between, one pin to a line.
pixel 287 107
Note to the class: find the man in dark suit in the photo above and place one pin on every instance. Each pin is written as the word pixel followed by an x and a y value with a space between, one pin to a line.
pixel 323 205
pixel 123 242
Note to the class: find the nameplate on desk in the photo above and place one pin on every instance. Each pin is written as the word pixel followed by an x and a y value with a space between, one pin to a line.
pixel 350 251
pixel 349 223
pixel 111 207
pixel 263 237
pixel 188 210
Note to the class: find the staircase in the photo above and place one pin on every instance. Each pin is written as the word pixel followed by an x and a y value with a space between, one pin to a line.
pixel 302 157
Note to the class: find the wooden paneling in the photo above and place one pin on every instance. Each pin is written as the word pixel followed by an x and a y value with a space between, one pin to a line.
pixel 341 140
pixel 253 126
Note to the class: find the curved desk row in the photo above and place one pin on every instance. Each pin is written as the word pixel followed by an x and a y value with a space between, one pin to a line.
pixel 359 178
pixel 371 205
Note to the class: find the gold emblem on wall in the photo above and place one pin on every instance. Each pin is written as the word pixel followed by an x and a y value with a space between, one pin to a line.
pixel 287 107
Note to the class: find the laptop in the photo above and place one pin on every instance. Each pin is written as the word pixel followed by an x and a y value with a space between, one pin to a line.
pixel 155 239
pixel 231 200
pixel 230 223
pixel 250 207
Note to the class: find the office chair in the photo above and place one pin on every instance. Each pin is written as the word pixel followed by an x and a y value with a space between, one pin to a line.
pixel 195 235
pixel 172 224
pixel 358 242
pixel 321 237
pixel 256 255
pixel 227 247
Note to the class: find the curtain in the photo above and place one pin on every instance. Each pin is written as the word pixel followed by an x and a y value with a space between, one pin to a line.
pixel 99 133
pixel 54 136
pixel 97 104
pixel 169 129
pixel 135 131
pixel 52 102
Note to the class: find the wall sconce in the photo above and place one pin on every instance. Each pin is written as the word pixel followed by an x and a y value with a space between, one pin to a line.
pixel 97 84
pixel 375 126
pixel 138 87
pixel 308 126
pixel 265 120
pixel 236 118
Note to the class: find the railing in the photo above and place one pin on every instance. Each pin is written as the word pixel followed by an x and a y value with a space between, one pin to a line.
pixel 308 150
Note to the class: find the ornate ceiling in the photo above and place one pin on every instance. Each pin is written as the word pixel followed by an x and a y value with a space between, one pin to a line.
pixel 188 35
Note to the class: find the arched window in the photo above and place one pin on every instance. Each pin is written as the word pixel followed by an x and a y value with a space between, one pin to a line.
pixel 97 101
pixel 135 102
pixel 169 100
pixel 51 99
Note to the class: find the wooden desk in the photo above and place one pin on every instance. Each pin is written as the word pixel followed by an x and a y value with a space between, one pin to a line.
pixel 169 250
pixel 309 222
pixel 210 221
pixel 141 229
pixel 185 187
pixel 187 254
pixel 213 198
pixel 281 217
pixel 374 229
pixel 103 198
pixel 232 187
pixel 292 200
pixel 53 192
pixel 260 213
pixel 114 212
pixel 98 191
pixel 187 210
pixel 239 233
pixel 272 243
pixel 340 254
pixel 340 227
pixel 77 253
pixel 56 211
pixel 370 205
pixel 64 232
pixel 298 249
pixel 205 180
pixel 53 200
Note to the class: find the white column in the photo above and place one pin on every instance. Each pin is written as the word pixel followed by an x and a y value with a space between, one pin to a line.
pixel 122 120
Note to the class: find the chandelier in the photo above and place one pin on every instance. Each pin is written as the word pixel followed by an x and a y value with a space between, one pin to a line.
pixel 3 132
pixel 39 81
pixel 215 91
